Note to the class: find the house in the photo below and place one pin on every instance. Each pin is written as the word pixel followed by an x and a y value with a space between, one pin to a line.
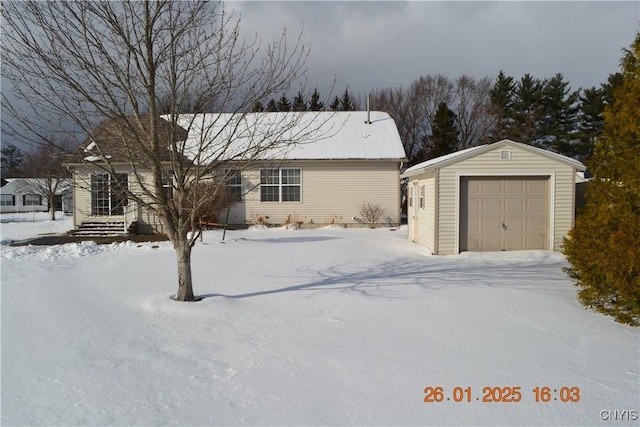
pixel 26 195
pixel 353 158
pixel 497 197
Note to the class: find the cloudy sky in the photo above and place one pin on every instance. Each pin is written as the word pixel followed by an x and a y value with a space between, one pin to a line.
pixel 372 45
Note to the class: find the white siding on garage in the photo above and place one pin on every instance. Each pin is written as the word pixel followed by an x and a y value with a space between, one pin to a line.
pixel 422 218
pixel 332 192
pixel 520 163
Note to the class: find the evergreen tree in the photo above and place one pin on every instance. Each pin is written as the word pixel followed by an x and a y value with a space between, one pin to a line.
pixel 604 247
pixel 527 109
pixel 559 116
pixel 613 83
pixel 444 138
pixel 502 100
pixel 299 104
pixel 590 121
pixel 272 106
pixel 316 104
pixel 257 107
pixel 11 161
pixel 346 102
pixel 284 104
pixel 335 104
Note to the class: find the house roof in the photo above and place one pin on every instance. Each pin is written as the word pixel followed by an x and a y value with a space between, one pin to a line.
pixel 212 137
pixel 317 135
pixel 31 185
pixel 121 139
pixel 448 159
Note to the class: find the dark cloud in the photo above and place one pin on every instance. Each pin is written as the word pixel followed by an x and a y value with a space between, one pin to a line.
pixel 370 45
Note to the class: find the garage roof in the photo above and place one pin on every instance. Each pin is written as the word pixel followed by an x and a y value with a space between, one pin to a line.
pixel 458 156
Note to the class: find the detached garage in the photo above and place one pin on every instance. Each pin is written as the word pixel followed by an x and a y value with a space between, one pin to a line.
pixel 503 196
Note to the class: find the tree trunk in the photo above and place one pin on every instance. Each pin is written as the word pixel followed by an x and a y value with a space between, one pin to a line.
pixel 52 208
pixel 185 283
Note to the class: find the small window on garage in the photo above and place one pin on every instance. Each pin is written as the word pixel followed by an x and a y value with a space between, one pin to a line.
pixel 505 155
pixel 422 194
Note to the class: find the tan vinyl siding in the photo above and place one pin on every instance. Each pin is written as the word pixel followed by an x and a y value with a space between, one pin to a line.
pixel 148 223
pixel 563 205
pixel 520 163
pixel 332 192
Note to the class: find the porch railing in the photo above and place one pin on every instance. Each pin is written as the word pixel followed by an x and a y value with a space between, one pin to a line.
pixel 130 214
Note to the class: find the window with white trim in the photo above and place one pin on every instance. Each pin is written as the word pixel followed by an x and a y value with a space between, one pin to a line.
pixel 233 181
pixel 7 200
pixel 281 185
pixel 31 200
pixel 167 183
pixel 422 196
pixel 108 195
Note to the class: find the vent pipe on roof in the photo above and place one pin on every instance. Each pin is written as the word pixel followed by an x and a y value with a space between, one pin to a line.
pixel 368 121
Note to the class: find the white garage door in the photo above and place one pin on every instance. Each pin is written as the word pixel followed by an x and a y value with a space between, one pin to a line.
pixel 504 213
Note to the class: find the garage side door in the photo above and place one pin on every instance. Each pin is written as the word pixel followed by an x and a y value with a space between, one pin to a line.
pixel 504 213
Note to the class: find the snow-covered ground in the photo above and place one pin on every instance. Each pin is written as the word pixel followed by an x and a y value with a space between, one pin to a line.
pixel 306 327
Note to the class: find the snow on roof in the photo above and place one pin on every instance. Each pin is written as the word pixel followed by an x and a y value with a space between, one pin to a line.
pixel 31 185
pixel 468 152
pixel 316 136
pixel 442 159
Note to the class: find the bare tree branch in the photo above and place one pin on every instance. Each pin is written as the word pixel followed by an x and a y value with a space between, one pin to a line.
pixel 128 81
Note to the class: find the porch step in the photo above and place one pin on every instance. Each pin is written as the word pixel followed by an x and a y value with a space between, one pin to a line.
pixel 102 229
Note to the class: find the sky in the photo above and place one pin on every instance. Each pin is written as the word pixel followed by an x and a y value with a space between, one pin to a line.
pixel 375 45
pixel 364 46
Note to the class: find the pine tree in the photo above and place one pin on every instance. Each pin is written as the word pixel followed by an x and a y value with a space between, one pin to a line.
pixel 316 104
pixel 299 104
pixel 346 102
pixel 284 104
pixel 272 106
pixel 11 161
pixel 559 116
pixel 335 104
pixel 590 121
pixel 502 99
pixel 444 138
pixel 613 83
pixel 604 247
pixel 527 109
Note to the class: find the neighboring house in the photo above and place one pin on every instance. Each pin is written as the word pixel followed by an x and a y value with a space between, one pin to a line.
pixel 496 197
pixel 23 195
pixel 355 159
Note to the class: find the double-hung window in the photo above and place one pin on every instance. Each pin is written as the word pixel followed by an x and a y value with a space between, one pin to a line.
pixel 167 183
pixel 108 196
pixel 233 181
pixel 31 200
pixel 7 200
pixel 281 185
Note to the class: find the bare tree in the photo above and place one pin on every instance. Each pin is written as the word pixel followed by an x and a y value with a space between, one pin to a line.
pixel 109 70
pixel 472 106
pixel 47 176
pixel 414 110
